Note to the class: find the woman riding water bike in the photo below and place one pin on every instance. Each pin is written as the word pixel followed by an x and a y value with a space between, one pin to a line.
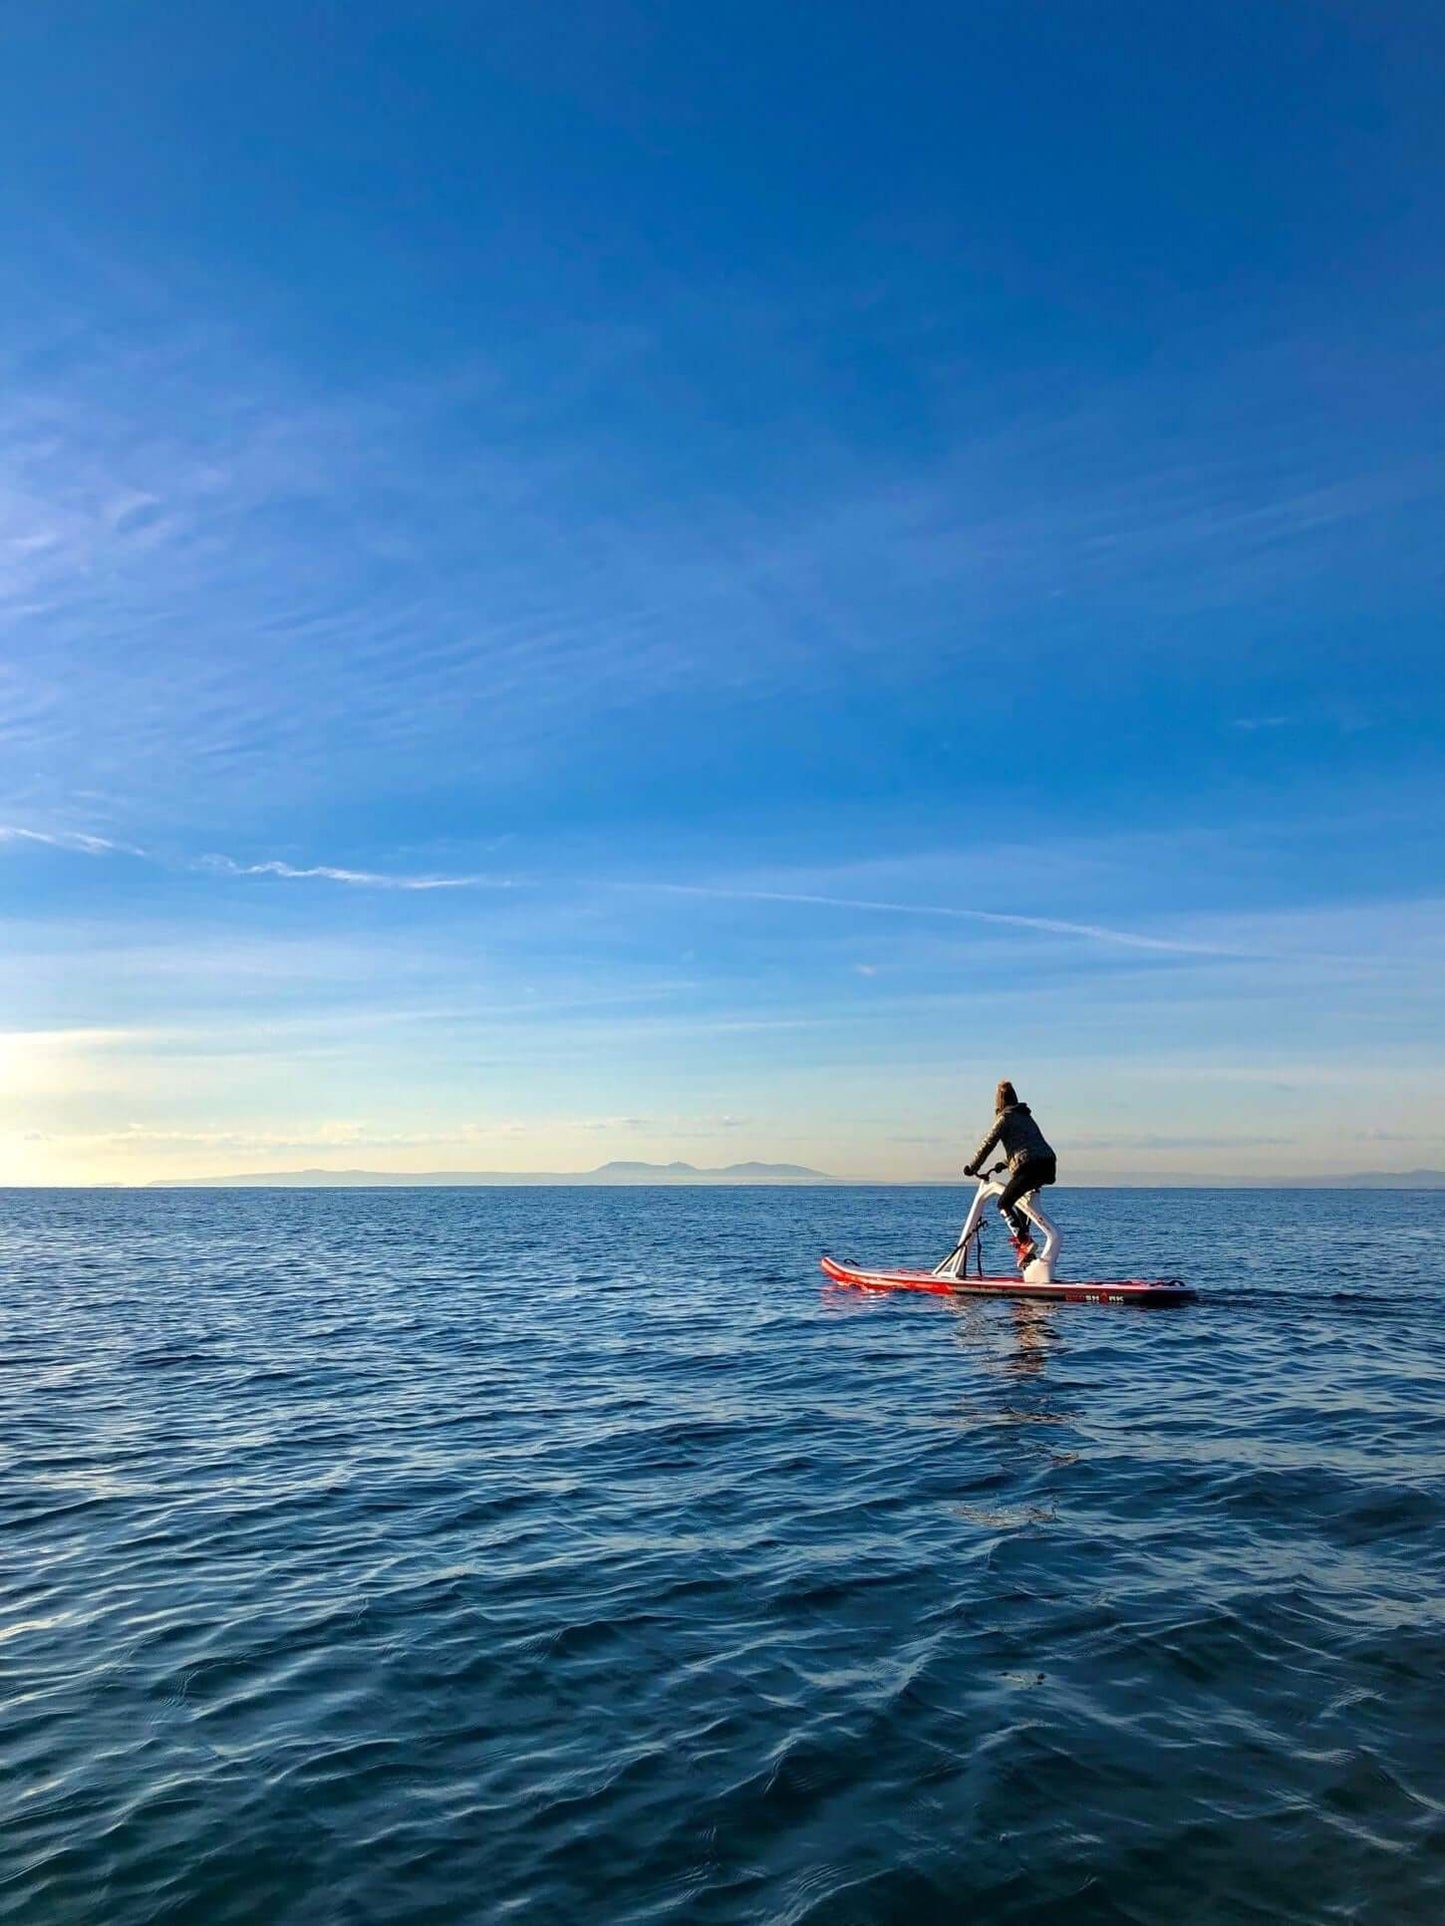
pixel 1031 1162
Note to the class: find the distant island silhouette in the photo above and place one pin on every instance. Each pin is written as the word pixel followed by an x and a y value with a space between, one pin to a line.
pixel 620 1172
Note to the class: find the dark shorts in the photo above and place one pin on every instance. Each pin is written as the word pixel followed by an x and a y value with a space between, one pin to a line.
pixel 1032 1175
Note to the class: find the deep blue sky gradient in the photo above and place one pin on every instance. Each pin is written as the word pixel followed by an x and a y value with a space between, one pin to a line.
pixel 744 497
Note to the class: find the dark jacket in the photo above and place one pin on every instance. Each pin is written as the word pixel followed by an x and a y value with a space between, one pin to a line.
pixel 1019 1135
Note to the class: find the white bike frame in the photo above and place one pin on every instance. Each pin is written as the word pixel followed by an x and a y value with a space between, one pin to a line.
pixel 1038 1270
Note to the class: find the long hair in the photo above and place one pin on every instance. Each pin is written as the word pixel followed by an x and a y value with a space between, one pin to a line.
pixel 1004 1096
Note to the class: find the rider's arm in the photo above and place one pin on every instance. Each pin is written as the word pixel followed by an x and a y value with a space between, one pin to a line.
pixel 975 1162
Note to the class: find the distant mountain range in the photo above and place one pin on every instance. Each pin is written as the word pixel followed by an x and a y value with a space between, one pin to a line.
pixel 613 1173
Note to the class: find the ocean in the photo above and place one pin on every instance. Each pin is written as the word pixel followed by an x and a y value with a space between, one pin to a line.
pixel 579 1555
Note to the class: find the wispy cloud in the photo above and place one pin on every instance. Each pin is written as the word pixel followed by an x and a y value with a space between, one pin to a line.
pixel 67 839
pixel 355 878
pixel 88 845
pixel 1049 925
pixel 1155 1141
pixel 224 576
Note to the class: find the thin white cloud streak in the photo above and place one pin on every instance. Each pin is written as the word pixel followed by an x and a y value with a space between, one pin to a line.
pixel 88 845
pixel 355 878
pixel 1160 1141
pixel 1048 925
pixel 67 839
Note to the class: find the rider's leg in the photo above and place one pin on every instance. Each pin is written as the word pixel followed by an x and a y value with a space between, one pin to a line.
pixel 1019 1185
pixel 1030 1176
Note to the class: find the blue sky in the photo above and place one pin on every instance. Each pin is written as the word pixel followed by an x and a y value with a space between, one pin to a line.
pixel 627 580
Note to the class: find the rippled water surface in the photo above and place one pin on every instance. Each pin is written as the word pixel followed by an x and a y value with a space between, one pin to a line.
pixel 577 1555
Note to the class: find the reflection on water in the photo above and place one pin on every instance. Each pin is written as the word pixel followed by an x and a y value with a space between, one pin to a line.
pixel 1033 1336
pixel 1011 1339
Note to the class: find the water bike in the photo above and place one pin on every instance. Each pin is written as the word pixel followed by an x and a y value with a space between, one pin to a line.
pixel 961 1274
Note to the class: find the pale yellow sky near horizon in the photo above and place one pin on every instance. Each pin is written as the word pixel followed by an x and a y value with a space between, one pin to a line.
pixel 132 1106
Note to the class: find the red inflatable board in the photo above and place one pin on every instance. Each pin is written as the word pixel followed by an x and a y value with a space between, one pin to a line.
pixel 1148 1292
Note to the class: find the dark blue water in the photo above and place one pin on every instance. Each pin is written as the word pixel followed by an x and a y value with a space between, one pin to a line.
pixel 576 1555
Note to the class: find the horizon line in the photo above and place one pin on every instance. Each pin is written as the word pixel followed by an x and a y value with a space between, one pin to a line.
pixel 643 1175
